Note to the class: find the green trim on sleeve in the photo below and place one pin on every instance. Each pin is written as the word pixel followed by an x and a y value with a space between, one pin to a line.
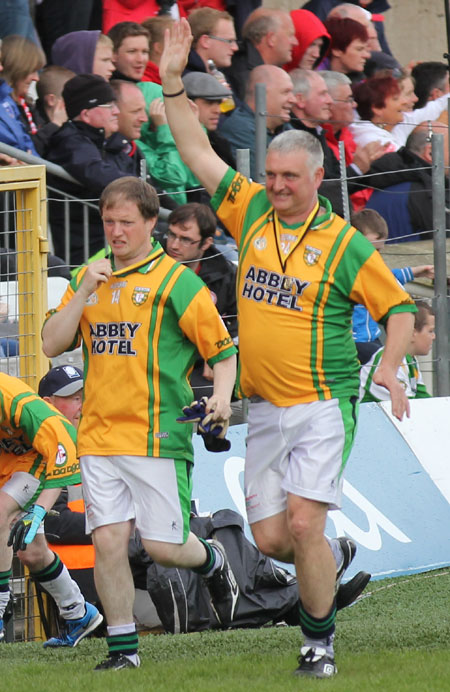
pixel 230 351
pixel 405 307
pixel 219 195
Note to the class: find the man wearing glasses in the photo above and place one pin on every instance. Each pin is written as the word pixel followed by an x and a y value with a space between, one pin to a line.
pixel 214 39
pixel 190 240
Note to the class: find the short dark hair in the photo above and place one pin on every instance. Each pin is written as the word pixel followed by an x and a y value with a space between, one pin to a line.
pixel 203 215
pixel 428 76
pixel 370 221
pixel 344 31
pixel 52 80
pixel 131 189
pixel 373 92
pixel 119 32
pixel 424 310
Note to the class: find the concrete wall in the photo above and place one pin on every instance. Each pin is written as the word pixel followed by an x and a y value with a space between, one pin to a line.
pixel 415 28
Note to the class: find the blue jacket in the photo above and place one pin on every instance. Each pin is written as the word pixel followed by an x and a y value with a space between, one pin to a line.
pixel 12 131
pixel 239 128
pixel 364 327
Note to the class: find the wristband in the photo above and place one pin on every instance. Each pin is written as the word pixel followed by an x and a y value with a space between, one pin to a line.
pixel 172 96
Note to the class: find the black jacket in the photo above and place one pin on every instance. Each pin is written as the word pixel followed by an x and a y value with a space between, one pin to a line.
pixel 393 169
pixel 94 161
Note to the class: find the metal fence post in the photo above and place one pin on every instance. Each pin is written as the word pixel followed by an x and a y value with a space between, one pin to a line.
pixel 261 133
pixel 243 161
pixel 344 184
pixel 440 266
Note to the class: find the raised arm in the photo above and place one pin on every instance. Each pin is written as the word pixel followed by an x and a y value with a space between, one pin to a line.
pixel 191 140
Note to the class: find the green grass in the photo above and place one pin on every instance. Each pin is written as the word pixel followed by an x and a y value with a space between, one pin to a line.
pixel 396 639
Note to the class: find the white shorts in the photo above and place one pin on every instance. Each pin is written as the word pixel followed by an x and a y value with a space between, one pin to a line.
pixel 156 492
pixel 22 487
pixel 299 449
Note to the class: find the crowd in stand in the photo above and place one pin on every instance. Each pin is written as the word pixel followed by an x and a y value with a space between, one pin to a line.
pixel 82 89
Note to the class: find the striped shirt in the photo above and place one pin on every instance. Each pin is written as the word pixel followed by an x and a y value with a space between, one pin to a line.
pixel 34 437
pixel 140 332
pixel 296 290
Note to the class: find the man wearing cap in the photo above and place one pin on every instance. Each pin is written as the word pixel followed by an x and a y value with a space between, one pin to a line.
pixel 66 532
pixel 38 458
pixel 90 148
pixel 208 93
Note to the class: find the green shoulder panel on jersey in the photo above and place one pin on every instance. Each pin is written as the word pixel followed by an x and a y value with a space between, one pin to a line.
pixel 219 195
pixel 341 364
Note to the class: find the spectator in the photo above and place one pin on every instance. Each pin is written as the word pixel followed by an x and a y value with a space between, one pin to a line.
pixel 239 127
pixel 85 52
pixel 156 27
pixel 130 50
pixel 22 59
pixel 313 41
pixel 214 38
pixel 358 14
pixel 119 11
pixel 403 185
pixel 337 128
pixel 408 374
pixel 382 110
pixel 50 111
pixel 431 81
pixel 190 240
pixel 349 47
pixel 323 8
pixel 90 149
pixel 15 18
pixel 158 146
pixel 311 109
pixel 131 104
pixel 12 128
pixel 268 39
pixel 208 93
pixel 366 332
pixel 55 18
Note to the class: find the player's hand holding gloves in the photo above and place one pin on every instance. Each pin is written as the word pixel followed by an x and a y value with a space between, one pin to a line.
pixel 209 426
pixel 25 529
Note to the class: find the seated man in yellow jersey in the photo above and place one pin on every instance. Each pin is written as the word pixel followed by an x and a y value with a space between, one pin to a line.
pixel 302 268
pixel 65 530
pixel 38 457
pixel 142 318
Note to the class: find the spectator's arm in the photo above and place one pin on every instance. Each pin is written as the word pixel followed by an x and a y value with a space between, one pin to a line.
pixel 191 140
pixel 399 329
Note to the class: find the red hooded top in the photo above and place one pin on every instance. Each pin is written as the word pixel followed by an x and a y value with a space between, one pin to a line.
pixel 115 11
pixel 308 28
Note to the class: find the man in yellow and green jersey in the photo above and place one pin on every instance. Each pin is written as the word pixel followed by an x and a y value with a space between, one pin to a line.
pixel 142 317
pixel 301 270
pixel 37 458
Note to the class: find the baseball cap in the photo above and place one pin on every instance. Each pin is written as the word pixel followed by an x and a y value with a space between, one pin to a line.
pixel 204 86
pixel 61 381
pixel 86 91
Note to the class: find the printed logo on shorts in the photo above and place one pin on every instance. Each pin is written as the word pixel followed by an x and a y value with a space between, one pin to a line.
pixel 140 295
pixel 61 456
pixel 311 255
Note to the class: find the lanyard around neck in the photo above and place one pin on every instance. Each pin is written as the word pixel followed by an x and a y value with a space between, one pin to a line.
pixel 306 226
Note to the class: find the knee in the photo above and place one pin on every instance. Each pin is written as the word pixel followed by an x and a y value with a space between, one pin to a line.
pixel 271 544
pixel 110 541
pixel 303 528
pixel 164 554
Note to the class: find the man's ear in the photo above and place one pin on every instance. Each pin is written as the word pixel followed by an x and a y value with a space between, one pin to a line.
pixel 207 243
